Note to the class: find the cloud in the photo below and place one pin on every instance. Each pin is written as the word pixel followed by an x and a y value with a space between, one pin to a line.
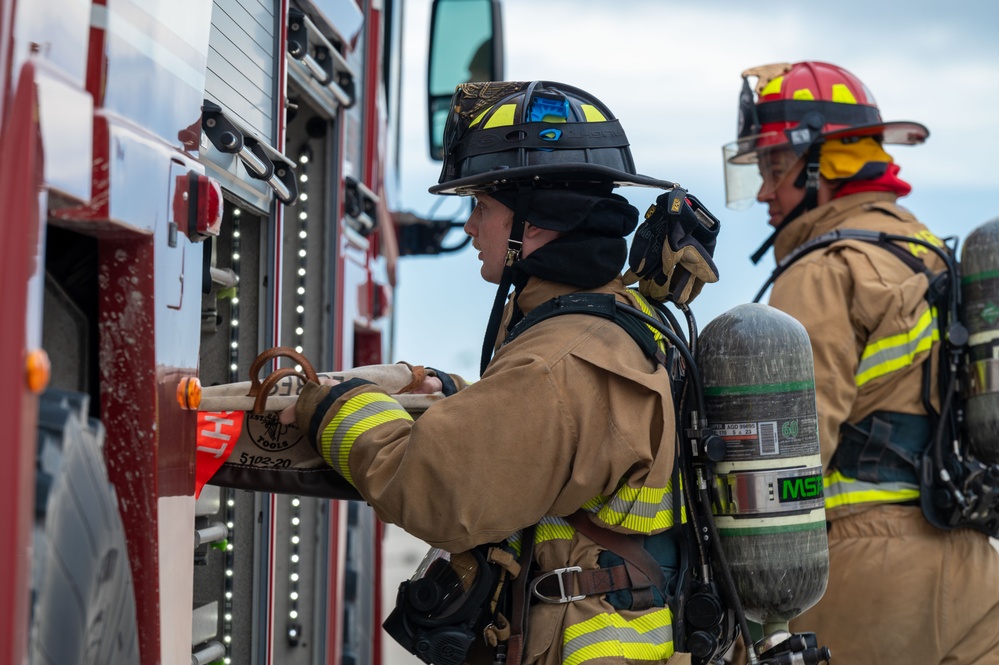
pixel 671 72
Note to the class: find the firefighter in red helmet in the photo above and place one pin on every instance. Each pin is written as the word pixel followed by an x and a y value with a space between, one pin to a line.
pixel 811 147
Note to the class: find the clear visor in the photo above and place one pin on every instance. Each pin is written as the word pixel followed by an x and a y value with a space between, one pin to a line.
pixel 753 171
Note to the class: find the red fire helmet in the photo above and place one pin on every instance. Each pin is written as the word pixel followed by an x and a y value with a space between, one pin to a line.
pixel 797 106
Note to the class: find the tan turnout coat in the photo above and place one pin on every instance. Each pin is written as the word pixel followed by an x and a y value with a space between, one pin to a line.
pixel 570 411
pixel 900 591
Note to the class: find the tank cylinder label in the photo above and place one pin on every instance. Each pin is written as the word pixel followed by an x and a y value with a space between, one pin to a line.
pixel 779 424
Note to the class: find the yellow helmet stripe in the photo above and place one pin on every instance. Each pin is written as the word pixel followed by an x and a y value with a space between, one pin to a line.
pixel 593 114
pixel 842 94
pixel 479 117
pixel 773 87
pixel 502 117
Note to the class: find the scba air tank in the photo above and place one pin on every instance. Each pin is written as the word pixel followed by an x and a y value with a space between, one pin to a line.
pixel 980 297
pixel 759 385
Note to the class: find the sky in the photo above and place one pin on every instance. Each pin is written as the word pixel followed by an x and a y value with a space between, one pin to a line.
pixel 670 71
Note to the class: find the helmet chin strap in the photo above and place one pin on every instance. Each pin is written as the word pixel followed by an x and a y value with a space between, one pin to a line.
pixel 513 246
pixel 809 179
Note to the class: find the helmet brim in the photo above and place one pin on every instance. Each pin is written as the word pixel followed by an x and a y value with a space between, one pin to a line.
pixel 561 173
pixel 900 132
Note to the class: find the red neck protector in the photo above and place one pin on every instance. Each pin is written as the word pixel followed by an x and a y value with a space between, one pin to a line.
pixel 887 182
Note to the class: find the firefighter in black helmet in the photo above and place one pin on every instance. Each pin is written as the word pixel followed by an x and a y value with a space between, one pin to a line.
pixel 570 428
pixel 900 590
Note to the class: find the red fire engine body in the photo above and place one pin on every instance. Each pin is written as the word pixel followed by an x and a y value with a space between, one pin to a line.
pixel 185 184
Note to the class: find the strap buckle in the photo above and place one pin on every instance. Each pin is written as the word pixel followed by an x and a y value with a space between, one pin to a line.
pixel 513 251
pixel 563 596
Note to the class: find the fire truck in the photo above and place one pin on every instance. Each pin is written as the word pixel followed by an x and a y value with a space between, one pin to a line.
pixel 186 183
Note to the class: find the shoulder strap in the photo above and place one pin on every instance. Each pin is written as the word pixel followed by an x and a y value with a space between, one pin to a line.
pixel 879 238
pixel 596 304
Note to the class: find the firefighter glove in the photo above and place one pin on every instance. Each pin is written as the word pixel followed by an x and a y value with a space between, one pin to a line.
pixel 671 255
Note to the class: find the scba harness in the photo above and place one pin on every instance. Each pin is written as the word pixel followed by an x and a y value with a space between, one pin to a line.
pixel 440 611
pixel 697 587
pixel 892 451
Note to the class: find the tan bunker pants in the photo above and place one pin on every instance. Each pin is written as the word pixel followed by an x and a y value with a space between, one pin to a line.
pixel 902 591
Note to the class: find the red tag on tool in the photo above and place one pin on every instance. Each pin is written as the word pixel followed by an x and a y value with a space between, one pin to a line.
pixel 217 435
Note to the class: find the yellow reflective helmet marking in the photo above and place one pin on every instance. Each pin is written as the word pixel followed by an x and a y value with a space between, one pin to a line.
pixel 479 117
pixel 773 87
pixel 804 94
pixel 841 94
pixel 592 113
pixel 502 117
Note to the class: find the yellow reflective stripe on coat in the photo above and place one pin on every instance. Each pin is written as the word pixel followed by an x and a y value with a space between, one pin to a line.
pixel 642 510
pixel 552 528
pixel 896 352
pixel 648 637
pixel 358 414
pixel 549 528
pixel 843 491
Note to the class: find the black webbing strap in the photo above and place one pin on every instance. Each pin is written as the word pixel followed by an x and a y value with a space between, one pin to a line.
pixel 596 304
pixel 836 113
pixel 542 136
pixel 879 238
pixel 520 600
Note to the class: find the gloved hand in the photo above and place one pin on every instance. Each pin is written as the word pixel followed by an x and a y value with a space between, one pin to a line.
pixel 671 255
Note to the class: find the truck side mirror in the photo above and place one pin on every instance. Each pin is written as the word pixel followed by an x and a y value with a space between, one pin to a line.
pixel 466 44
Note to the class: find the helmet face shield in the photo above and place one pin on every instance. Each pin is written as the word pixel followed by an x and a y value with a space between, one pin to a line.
pixel 752 171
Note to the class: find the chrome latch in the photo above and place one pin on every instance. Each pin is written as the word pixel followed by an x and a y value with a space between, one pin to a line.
pixel 564 597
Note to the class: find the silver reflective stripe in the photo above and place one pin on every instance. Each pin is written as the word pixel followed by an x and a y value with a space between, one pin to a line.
pixel 643 510
pixel 842 491
pixel 896 352
pixel 648 637
pixel 358 414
